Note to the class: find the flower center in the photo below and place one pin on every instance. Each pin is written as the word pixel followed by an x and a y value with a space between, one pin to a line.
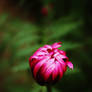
pixel 49 50
pixel 51 53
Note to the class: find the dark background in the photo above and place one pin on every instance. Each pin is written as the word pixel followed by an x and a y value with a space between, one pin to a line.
pixel 26 25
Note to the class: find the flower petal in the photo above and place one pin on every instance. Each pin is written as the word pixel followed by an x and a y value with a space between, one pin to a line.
pixel 59 57
pixel 49 71
pixel 38 65
pixel 56 45
pixel 70 65
pixel 55 71
pixel 45 67
pixel 47 46
pixel 33 62
pixel 62 52
pixel 60 71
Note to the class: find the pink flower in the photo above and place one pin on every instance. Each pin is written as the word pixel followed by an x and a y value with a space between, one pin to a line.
pixel 48 64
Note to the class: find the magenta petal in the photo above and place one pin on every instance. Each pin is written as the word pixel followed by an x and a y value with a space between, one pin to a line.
pixel 70 65
pixel 49 71
pixel 62 52
pixel 46 65
pixel 41 53
pixel 56 45
pixel 34 56
pixel 59 58
pixel 38 65
pixel 46 68
pixel 33 62
pixel 60 72
pixel 55 71
pixel 63 65
pixel 42 48
pixel 48 47
pixel 30 59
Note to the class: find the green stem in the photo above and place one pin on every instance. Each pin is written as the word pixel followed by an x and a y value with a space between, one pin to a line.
pixel 49 88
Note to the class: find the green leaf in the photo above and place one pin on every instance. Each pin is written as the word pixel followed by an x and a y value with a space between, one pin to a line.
pixel 21 27
pixel 26 51
pixel 26 40
pixel 61 29
pixel 3 18
pixel 21 67
pixel 69 45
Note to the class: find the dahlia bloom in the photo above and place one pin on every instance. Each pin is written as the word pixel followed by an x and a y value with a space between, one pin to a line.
pixel 48 64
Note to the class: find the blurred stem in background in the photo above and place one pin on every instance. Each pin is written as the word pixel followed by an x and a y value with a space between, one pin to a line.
pixel 49 89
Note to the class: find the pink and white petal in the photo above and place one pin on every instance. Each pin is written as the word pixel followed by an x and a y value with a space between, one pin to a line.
pixel 41 53
pixel 34 56
pixel 55 71
pixel 70 65
pixel 46 65
pixel 60 71
pixel 62 52
pixel 43 49
pixel 48 47
pixel 56 50
pixel 56 45
pixel 63 65
pixel 49 71
pixel 59 58
pixel 56 54
pixel 38 65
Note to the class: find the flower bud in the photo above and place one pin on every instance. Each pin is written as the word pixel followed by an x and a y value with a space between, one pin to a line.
pixel 48 64
pixel 44 11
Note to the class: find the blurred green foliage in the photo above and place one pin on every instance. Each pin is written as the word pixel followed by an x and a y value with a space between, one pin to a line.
pixel 19 39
